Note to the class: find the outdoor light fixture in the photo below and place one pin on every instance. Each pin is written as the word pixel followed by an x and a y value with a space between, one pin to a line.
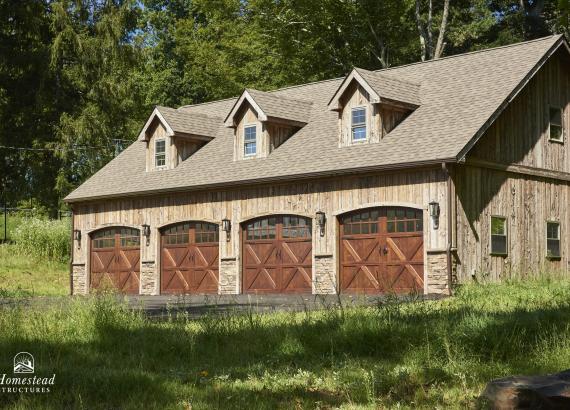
pixel 321 220
pixel 77 236
pixel 434 213
pixel 227 228
pixel 146 233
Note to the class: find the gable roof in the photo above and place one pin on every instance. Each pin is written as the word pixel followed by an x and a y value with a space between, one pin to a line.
pixel 177 122
pixel 460 96
pixel 269 105
pixel 380 88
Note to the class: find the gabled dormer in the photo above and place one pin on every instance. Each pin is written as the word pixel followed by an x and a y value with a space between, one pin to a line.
pixel 370 105
pixel 173 135
pixel 263 121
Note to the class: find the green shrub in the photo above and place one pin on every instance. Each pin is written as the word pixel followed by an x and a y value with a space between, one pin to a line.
pixel 43 238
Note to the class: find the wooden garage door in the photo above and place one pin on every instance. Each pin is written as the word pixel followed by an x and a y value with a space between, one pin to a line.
pixel 277 255
pixel 382 251
pixel 115 259
pixel 189 258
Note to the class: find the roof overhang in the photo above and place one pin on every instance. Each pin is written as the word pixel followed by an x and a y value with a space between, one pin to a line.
pixel 143 135
pixel 229 121
pixel 334 103
pixel 561 42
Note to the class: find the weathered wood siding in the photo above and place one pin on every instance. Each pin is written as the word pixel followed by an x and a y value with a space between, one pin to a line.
pixel 520 134
pixel 158 132
pixel 333 196
pixel 527 203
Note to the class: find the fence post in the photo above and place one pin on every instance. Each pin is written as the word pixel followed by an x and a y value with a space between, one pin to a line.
pixel 5 221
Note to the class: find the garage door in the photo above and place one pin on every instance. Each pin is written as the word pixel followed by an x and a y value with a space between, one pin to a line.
pixel 382 251
pixel 115 259
pixel 277 255
pixel 189 258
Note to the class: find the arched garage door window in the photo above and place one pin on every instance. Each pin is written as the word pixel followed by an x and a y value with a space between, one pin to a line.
pixel 189 258
pixel 381 250
pixel 277 255
pixel 115 259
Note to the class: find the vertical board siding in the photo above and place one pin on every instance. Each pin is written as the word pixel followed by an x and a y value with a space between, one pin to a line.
pixel 527 203
pixel 333 196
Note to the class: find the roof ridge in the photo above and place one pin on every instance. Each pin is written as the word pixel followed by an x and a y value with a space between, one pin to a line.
pixel 280 96
pixel 387 77
pixel 520 43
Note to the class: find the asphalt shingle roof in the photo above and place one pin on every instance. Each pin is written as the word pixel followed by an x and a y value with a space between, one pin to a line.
pixel 198 124
pixel 459 95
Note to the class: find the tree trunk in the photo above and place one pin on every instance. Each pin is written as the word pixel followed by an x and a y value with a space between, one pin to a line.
pixel 440 38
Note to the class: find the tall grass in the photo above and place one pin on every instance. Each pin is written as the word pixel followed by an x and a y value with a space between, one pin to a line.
pixel 43 238
pixel 422 354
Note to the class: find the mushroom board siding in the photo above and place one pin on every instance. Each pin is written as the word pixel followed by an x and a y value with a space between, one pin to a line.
pixel 189 258
pixel 382 251
pixel 277 255
pixel 115 259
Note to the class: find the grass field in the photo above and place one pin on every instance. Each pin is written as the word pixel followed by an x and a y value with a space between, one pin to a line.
pixel 416 355
pixel 22 275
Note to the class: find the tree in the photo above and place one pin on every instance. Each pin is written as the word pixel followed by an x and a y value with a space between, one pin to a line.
pixel 429 51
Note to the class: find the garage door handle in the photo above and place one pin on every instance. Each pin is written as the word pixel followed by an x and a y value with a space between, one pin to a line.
pixel 385 250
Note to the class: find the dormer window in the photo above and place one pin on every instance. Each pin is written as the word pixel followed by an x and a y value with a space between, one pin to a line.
pixel 359 124
pixel 250 140
pixel 160 153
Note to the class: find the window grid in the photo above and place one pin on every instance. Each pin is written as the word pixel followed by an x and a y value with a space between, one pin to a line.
pixel 250 140
pixel 295 227
pixel 160 153
pixel 404 220
pixel 262 229
pixel 365 222
pixel 358 124
pixel 499 235
pixel 204 232
pixel 556 129
pixel 553 239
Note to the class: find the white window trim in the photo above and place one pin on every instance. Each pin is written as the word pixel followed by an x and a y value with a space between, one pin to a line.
pixel 491 252
pixel 364 140
pixel 563 134
pixel 256 140
pixel 159 167
pixel 546 238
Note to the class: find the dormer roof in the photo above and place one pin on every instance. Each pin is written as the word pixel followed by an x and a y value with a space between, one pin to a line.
pixel 178 122
pixel 381 88
pixel 269 106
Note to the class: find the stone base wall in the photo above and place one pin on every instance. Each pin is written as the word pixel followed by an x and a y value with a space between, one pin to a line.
pixel 437 278
pixel 324 273
pixel 229 281
pixel 148 278
pixel 79 279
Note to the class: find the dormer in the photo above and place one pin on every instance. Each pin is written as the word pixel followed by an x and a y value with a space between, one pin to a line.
pixel 172 135
pixel 263 121
pixel 370 105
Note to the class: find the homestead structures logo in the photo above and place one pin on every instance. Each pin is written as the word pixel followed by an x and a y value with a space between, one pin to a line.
pixel 24 365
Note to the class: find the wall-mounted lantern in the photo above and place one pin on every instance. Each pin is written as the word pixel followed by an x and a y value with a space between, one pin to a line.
pixel 321 221
pixel 146 233
pixel 434 213
pixel 77 236
pixel 227 228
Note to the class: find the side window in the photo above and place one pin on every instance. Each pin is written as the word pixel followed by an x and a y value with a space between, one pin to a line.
pixel 358 124
pixel 249 140
pixel 552 239
pixel 499 235
pixel 556 129
pixel 160 153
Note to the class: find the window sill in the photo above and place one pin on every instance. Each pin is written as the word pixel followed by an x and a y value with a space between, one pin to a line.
pixel 499 255
pixel 358 142
pixel 561 142
pixel 553 258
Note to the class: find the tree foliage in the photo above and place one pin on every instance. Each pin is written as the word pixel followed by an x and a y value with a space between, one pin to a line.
pixel 79 77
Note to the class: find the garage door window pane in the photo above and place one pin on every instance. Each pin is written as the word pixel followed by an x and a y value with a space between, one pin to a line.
pixel 206 233
pixel 499 235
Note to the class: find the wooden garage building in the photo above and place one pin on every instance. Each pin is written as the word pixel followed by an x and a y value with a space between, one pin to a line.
pixel 403 179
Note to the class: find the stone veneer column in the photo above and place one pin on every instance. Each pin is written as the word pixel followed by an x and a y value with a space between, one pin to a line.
pixel 324 273
pixel 228 277
pixel 437 279
pixel 79 279
pixel 148 278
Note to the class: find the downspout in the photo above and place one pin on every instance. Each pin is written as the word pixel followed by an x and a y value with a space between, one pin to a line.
pixel 71 251
pixel 449 227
